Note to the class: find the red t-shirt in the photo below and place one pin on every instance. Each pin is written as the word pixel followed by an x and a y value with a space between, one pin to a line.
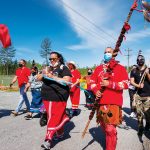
pixel 22 75
pixel 75 75
pixel 119 76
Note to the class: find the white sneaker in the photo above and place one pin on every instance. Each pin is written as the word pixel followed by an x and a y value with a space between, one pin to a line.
pixel 124 126
pixel 133 115
pixel 46 145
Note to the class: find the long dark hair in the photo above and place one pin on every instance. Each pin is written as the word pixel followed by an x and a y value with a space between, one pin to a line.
pixel 61 59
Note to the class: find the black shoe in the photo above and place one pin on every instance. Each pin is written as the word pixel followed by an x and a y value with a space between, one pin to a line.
pixel 86 106
pixel 28 117
pixel 67 111
pixel 75 112
pixel 43 119
pixel 90 108
pixel 140 138
pixel 140 131
pixel 70 113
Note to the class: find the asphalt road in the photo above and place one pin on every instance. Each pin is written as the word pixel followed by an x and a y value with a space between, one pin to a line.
pixel 16 133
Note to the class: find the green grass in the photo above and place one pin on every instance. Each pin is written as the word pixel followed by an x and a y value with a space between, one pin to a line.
pixel 6 80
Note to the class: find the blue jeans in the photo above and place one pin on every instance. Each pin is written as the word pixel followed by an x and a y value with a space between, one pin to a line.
pixel 36 100
pixel 23 98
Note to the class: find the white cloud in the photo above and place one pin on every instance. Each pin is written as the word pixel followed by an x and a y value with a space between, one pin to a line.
pixel 101 15
pixel 90 36
pixel 111 20
pixel 138 35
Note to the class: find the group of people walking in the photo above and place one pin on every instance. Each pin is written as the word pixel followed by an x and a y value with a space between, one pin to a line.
pixel 105 86
pixel 27 78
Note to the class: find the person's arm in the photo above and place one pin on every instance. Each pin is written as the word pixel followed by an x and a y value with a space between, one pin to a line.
pixel 66 76
pixel 13 81
pixel 28 73
pixel 27 87
pixel 124 84
pixel 78 77
pixel 28 84
pixel 148 73
pixel 64 79
pixel 121 85
pixel 74 84
pixel 132 81
pixel 94 84
pixel 39 77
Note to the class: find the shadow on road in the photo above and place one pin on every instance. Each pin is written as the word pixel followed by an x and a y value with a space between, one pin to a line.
pixel 72 113
pixel 37 115
pixel 126 110
pixel 68 127
pixel 146 143
pixel 147 134
pixel 98 136
pixel 5 112
pixel 131 122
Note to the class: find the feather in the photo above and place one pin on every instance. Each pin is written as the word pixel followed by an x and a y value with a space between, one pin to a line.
pixel 146 15
pixel 146 5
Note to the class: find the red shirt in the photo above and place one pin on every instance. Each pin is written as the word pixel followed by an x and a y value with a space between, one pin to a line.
pixel 113 93
pixel 75 75
pixel 22 75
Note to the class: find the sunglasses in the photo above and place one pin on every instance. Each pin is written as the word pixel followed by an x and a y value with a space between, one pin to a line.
pixel 141 59
pixel 52 59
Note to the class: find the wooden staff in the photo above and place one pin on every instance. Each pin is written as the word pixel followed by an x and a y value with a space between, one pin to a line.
pixel 124 29
pixel 96 105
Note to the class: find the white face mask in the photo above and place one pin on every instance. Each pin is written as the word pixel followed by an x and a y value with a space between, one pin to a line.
pixel 55 65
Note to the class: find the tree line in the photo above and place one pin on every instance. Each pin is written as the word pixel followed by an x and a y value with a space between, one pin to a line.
pixel 9 64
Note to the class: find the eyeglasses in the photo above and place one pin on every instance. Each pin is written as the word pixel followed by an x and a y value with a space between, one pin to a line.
pixel 52 59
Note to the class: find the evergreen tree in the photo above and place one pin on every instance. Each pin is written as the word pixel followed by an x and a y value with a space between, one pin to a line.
pixel 6 56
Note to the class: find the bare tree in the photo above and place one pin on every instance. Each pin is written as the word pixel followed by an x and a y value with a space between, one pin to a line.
pixel 45 49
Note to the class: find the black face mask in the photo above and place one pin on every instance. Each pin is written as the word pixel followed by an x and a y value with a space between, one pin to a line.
pixel 140 62
pixel 20 65
pixel 89 72
pixel 33 73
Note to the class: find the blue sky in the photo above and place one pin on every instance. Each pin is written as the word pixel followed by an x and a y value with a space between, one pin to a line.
pixel 30 21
